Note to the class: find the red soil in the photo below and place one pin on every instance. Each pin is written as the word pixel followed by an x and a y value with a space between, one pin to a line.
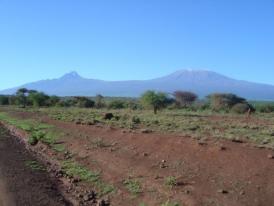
pixel 209 173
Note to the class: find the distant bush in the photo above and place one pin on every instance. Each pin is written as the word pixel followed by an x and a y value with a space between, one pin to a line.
pixel 117 104
pixel 224 102
pixel 184 98
pixel 4 100
pixel 202 105
pixel 156 100
pixel 12 100
pixel 242 108
pixel 133 105
pixel 136 120
pixel 83 102
pixel 63 103
pixel 53 101
pixel 99 101
pixel 265 108
pixel 37 99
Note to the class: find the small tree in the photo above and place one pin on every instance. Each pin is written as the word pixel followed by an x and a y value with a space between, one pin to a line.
pixel 224 101
pixel 184 98
pixel 21 97
pixel 156 100
pixel 99 101
pixel 37 99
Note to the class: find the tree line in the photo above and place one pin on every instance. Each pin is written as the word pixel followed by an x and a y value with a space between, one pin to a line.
pixel 150 99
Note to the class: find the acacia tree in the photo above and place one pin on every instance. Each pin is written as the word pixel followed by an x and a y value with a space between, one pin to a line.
pixel 184 98
pixel 223 101
pixel 21 97
pixel 156 100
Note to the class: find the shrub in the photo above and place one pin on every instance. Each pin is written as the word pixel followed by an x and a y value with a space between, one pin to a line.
pixel 37 99
pixel 136 120
pixel 99 101
pixel 184 98
pixel 171 181
pixel 242 108
pixel 133 105
pixel 224 101
pixel 156 100
pixel 266 108
pixel 53 101
pixel 134 186
pixel 117 104
pixel 83 102
pixel 32 140
pixel 4 100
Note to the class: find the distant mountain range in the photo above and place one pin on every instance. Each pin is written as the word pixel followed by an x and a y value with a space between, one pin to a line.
pixel 199 81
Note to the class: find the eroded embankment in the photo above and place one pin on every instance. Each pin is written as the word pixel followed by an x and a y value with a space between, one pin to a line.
pixel 24 180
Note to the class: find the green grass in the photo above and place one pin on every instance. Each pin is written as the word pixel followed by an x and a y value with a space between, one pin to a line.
pixel 73 169
pixel 34 165
pixel 58 147
pixel 133 186
pixel 168 203
pixel 37 131
pixel 171 181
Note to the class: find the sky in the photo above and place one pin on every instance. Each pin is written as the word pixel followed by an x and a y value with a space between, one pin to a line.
pixel 135 39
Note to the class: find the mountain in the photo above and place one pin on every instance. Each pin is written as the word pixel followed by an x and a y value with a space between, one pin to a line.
pixel 201 82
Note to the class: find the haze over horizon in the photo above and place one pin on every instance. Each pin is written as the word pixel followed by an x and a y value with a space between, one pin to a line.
pixel 135 39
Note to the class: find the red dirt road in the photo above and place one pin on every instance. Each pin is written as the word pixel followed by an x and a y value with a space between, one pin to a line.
pixel 20 185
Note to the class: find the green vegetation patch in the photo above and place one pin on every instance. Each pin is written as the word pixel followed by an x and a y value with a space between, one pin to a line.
pixel 37 131
pixel 34 165
pixel 171 181
pixel 73 169
pixel 133 186
pixel 168 203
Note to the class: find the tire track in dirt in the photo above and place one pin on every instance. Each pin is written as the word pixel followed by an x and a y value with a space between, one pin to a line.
pixel 21 184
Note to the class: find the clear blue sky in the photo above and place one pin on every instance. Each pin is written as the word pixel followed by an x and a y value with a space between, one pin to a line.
pixel 135 39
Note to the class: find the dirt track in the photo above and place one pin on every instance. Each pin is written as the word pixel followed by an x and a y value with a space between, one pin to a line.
pixel 21 185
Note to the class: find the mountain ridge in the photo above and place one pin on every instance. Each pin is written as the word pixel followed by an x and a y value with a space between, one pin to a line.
pixel 202 82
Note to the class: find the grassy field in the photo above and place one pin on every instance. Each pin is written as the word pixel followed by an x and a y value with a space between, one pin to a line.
pixel 257 128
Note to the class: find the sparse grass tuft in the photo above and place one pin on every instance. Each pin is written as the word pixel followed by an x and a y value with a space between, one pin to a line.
pixel 100 143
pixel 168 203
pixel 34 165
pixel 133 186
pixel 59 147
pixel 171 181
pixel 75 170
